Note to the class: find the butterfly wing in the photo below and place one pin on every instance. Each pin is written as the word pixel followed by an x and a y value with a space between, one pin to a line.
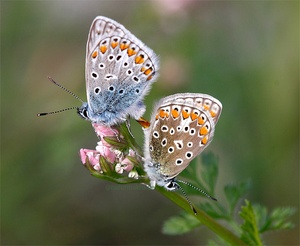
pixel 181 128
pixel 119 72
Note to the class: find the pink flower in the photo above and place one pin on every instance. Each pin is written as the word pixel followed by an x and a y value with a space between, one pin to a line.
pixel 106 151
pixel 127 165
pixel 104 131
pixel 118 158
pixel 92 156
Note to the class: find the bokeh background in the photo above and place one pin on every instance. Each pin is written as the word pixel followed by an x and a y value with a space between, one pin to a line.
pixel 245 53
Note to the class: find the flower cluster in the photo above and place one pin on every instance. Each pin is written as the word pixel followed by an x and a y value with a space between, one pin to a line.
pixel 113 154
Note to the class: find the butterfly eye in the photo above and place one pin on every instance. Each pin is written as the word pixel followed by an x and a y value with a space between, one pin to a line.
pixel 83 113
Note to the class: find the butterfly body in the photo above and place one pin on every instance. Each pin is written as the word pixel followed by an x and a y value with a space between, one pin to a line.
pixel 120 70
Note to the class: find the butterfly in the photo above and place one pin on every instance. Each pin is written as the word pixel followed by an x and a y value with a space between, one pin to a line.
pixel 119 72
pixel 181 127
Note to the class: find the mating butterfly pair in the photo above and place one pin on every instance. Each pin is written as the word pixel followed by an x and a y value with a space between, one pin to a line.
pixel 120 70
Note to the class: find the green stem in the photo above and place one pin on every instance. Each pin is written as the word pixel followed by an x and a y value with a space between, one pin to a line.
pixel 129 138
pixel 220 230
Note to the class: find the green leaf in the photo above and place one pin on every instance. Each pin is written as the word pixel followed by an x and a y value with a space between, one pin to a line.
pixel 180 224
pixel 216 211
pixel 250 231
pixel 117 143
pixel 210 171
pixel 277 220
pixel 105 165
pixel 202 175
pixel 234 193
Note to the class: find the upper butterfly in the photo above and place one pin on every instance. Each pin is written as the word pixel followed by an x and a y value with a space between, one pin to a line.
pixel 119 72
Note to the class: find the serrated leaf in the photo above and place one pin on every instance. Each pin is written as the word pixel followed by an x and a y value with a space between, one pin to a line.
pixel 261 214
pixel 278 219
pixel 219 241
pixel 210 170
pixel 205 178
pixel 234 193
pixel 180 224
pixel 250 231
pixel 213 210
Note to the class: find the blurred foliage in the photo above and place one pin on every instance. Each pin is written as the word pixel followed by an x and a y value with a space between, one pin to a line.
pixel 256 220
pixel 245 53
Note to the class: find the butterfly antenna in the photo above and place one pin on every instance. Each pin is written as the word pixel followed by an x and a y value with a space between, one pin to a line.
pixel 65 89
pixel 57 111
pixel 196 188
pixel 65 109
pixel 186 197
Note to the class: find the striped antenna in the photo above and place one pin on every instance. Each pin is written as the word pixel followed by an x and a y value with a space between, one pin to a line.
pixel 65 109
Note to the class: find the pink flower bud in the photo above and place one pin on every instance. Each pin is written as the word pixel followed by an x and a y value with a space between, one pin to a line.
pixel 127 165
pixel 104 131
pixel 91 155
pixel 106 151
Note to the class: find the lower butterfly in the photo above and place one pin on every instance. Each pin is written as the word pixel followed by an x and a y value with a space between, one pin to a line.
pixel 181 127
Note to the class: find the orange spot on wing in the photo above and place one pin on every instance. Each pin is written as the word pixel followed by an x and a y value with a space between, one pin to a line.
pixel 148 71
pixel 206 107
pixel 185 114
pixel 149 77
pixel 139 60
pixel 203 130
pixel 131 52
pixel 175 113
pixel 212 113
pixel 114 44
pixel 95 53
pixel 103 49
pixel 200 121
pixel 194 116
pixel 143 69
pixel 204 140
pixel 163 113
pixel 124 46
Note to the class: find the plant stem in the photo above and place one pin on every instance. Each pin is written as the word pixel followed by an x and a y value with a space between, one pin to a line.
pixel 220 230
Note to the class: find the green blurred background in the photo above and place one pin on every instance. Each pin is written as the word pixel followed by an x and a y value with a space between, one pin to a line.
pixel 244 53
